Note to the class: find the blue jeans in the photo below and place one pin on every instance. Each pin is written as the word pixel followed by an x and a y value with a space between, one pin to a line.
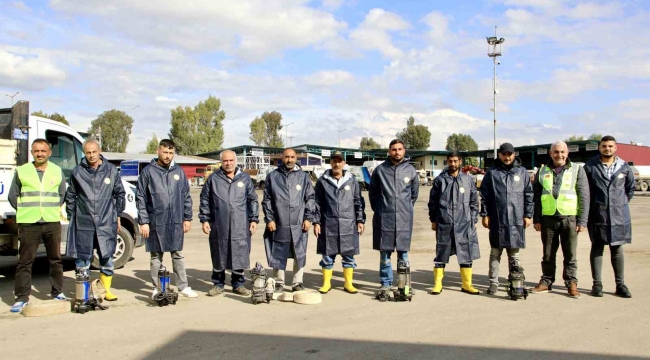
pixel 105 265
pixel 237 278
pixel 386 268
pixel 327 262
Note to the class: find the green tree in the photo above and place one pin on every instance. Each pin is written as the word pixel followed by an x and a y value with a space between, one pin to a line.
pixel 575 138
pixel 595 137
pixel 152 144
pixel 415 136
pixel 114 128
pixel 258 131
pixel 56 116
pixel 368 143
pixel 462 142
pixel 198 130
pixel 273 121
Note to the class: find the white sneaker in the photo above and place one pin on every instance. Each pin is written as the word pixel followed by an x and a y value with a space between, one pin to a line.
pixel 188 292
pixel 155 292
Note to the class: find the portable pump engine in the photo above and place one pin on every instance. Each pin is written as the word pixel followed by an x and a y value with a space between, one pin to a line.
pixel 516 288
pixel 165 294
pixel 404 290
pixel 263 287
pixel 85 299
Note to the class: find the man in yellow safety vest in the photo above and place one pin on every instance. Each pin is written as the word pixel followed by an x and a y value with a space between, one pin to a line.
pixel 561 212
pixel 37 193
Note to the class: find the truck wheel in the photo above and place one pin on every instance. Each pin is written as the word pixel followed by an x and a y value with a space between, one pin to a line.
pixel 644 186
pixel 123 250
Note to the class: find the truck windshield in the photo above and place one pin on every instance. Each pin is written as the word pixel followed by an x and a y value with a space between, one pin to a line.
pixel 66 151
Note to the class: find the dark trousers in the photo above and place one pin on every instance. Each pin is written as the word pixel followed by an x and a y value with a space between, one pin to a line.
pixel 237 278
pixel 30 236
pixel 558 232
pixel 596 259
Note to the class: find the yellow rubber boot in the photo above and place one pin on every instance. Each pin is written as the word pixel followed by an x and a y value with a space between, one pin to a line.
pixel 327 281
pixel 438 274
pixel 348 275
pixel 466 277
pixel 106 283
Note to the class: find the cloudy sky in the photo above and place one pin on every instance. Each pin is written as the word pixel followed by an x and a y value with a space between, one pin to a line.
pixel 568 67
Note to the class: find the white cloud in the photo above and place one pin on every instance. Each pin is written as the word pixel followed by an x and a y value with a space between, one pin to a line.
pixel 439 23
pixel 332 4
pixel 20 5
pixel 373 33
pixel 29 71
pixel 329 78
pixel 251 29
pixel 165 99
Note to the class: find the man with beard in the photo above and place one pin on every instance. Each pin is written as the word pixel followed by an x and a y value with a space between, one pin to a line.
pixel 95 200
pixel 561 210
pixel 339 221
pixel 611 185
pixel 229 215
pixel 289 210
pixel 37 193
pixel 507 210
pixel 393 192
pixel 165 214
pixel 453 212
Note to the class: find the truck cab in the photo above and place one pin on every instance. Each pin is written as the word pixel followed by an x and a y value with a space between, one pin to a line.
pixel 18 130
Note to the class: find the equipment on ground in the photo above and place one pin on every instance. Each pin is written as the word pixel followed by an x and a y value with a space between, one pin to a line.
pixel 263 286
pixel 404 290
pixel 516 288
pixel 85 297
pixel 165 295
pixel 383 294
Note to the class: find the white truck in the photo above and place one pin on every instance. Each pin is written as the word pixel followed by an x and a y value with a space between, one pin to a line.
pixel 641 177
pixel 18 130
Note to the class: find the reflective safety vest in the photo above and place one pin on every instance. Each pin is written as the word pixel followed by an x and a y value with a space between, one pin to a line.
pixel 567 199
pixel 38 199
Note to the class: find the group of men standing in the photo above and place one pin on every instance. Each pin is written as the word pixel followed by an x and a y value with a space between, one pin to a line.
pixel 565 200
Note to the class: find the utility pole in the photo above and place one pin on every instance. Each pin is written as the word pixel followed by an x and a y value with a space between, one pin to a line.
pixel 291 142
pixel 286 133
pixel 12 97
pixel 339 131
pixel 494 52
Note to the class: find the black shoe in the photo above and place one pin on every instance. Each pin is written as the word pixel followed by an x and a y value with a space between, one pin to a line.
pixel 622 291
pixel 297 287
pixel 493 289
pixel 597 290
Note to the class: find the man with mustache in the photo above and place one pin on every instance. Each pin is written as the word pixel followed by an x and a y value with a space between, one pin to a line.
pixel 561 211
pixel 339 222
pixel 453 212
pixel 289 210
pixel 611 184
pixel 37 193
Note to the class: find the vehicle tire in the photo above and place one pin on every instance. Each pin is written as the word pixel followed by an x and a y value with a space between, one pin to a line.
pixel 644 186
pixel 123 250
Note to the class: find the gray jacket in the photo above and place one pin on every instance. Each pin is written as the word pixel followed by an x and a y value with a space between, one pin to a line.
pixel 582 189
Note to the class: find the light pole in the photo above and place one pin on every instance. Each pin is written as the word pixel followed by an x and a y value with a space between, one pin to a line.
pixel 291 143
pixel 339 131
pixel 12 97
pixel 286 133
pixel 494 52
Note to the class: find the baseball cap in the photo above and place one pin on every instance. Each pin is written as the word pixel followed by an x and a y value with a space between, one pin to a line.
pixel 338 154
pixel 506 148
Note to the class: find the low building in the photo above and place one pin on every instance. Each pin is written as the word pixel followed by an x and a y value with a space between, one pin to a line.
pixel 194 166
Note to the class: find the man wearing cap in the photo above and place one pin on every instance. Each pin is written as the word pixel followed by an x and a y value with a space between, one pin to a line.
pixel 507 210
pixel 338 222
pixel 561 211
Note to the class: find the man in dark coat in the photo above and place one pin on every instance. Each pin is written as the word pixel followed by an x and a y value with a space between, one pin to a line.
pixel 453 212
pixel 289 210
pixel 507 210
pixel 393 192
pixel 561 211
pixel 611 184
pixel 165 214
pixel 229 214
pixel 339 222
pixel 95 200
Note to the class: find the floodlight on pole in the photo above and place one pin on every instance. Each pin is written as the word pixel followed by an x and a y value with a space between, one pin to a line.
pixel 339 131
pixel 494 51
pixel 286 134
pixel 12 97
